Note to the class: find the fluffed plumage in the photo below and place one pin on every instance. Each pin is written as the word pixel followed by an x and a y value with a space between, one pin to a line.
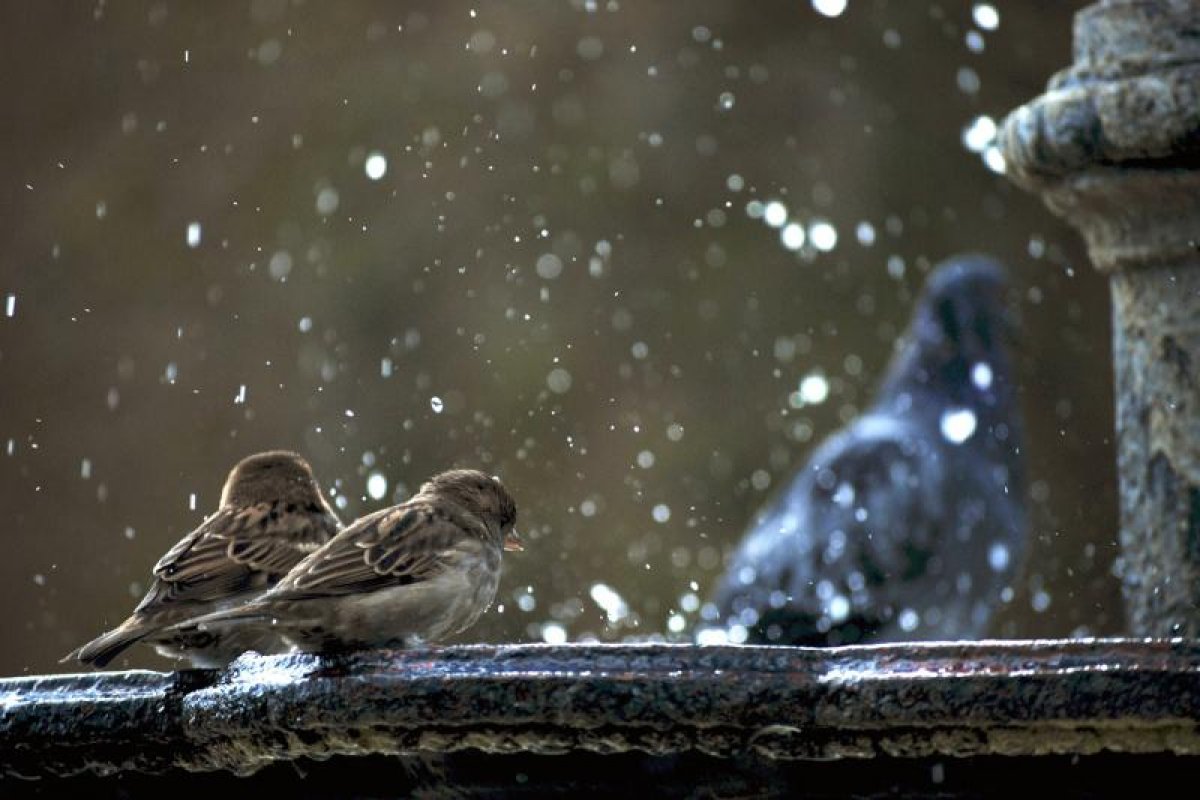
pixel 271 516
pixel 908 523
pixel 416 572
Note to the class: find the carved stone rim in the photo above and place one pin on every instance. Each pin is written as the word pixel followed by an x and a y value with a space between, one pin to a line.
pixel 1132 97
pixel 1030 698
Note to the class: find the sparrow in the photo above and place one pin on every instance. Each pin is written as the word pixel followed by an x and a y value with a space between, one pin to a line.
pixel 413 573
pixel 272 514
pixel 909 522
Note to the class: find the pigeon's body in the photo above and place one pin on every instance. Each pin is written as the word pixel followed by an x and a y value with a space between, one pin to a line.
pixel 908 523
pixel 413 573
pixel 271 516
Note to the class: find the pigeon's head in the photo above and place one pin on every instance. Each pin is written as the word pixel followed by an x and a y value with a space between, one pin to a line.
pixel 963 314
pixel 271 476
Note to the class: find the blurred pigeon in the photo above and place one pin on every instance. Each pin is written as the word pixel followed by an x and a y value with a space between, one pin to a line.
pixel 909 522
pixel 415 572
pixel 271 516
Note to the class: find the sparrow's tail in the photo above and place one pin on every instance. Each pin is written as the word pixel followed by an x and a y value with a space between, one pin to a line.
pixel 107 646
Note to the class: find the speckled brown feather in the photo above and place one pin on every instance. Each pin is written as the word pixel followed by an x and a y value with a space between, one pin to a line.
pixel 272 516
pixel 455 526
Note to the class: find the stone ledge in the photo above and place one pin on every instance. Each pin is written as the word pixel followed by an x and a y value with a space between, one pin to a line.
pixel 1029 699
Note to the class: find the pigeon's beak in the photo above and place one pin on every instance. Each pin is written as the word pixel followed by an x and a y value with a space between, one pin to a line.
pixel 512 541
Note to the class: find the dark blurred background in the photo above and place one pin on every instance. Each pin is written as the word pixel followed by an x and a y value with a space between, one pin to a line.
pixel 525 237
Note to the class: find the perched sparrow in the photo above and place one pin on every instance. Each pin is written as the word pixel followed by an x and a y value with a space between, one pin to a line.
pixel 908 523
pixel 271 516
pixel 415 572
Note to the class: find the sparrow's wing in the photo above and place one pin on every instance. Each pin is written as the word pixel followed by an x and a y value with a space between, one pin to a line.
pixel 862 518
pixel 397 546
pixel 238 550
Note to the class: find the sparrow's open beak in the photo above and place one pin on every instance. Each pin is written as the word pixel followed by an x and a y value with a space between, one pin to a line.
pixel 512 541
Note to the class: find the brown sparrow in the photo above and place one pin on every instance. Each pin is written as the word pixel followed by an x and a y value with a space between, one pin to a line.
pixel 416 572
pixel 272 515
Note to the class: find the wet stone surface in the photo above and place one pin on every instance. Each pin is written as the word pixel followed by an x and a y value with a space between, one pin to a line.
pixel 772 704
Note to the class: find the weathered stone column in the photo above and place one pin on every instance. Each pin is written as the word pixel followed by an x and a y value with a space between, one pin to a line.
pixel 1114 147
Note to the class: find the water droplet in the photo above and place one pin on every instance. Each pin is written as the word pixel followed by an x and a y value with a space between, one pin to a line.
pixel 548 266
pixel 968 80
pixel 814 389
pixel 269 52
pixel 590 48
pixel 436 404
pixel 327 201
pixel 376 165
pixel 986 16
pixel 760 479
pixel 839 609
pixel 998 556
pixel 958 425
pixel 377 486
pixel 981 375
pixel 792 236
pixel 775 214
pixel 553 633
pixel 193 234
pixel 661 513
pixel 829 8
pixel 559 380
pixel 613 605
pixel 980 133
pixel 280 265
pixel 712 636
pixel 823 235
pixel 1040 600
pixel 994 160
